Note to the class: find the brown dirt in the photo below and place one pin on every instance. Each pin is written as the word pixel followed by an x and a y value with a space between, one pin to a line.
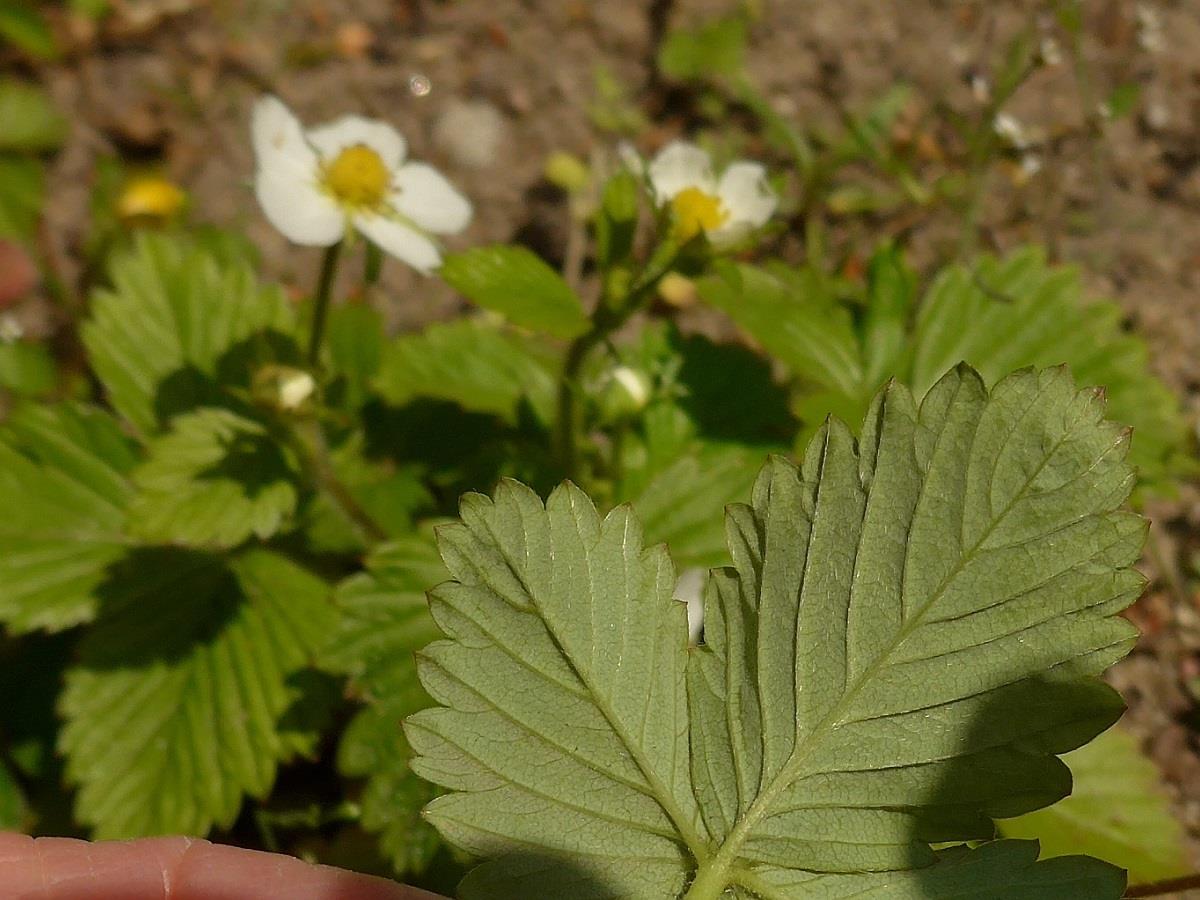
pixel 179 89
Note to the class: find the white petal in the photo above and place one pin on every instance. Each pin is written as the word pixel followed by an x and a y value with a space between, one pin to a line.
pixel 748 198
pixel 401 241
pixel 679 166
pixel 300 211
pixel 279 143
pixel 350 131
pixel 286 179
pixel 689 589
pixel 425 196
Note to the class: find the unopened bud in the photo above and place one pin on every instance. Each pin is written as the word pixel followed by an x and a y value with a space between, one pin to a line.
pixel 150 198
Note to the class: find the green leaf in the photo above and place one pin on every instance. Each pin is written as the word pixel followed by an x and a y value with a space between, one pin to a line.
pixel 180 324
pixel 22 188
pixel 391 495
pixel 793 320
pixel 64 490
pixel 13 811
pixel 910 633
pixel 213 480
pixel 174 709
pixel 27 369
pixel 355 347
pixel 713 49
pixel 25 28
pixel 679 485
pixel 385 618
pixel 514 282
pixel 31 123
pixel 472 363
pixel 1000 315
pixel 616 220
pixel 1117 812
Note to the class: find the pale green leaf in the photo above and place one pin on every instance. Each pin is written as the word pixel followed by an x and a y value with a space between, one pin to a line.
pixel 514 282
pixel 180 323
pixel 1117 811
pixel 30 121
pixel 1000 870
pixel 909 635
pixel 472 363
pixel 173 712
pixel 213 480
pixel 64 491
pixel 385 619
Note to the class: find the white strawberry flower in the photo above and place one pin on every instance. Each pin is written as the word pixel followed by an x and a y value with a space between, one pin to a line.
pixel 318 186
pixel 726 209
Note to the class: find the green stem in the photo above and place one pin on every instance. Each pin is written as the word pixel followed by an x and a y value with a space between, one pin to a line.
pixel 606 320
pixel 321 472
pixel 321 302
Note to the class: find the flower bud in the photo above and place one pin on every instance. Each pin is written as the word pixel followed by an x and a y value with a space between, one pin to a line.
pixel 284 388
pixel 626 393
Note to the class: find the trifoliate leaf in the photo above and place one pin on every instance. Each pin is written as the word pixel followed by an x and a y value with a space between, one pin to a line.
pixel 909 634
pixel 213 480
pixel 1117 811
pixel 173 710
pixel 63 490
pixel 179 320
pixel 385 619
pixel 514 282
pixel 31 123
pixel 472 363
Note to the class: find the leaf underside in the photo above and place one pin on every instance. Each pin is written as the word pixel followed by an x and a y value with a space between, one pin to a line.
pixel 908 636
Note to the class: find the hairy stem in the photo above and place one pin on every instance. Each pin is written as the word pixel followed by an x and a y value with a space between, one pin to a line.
pixel 321 302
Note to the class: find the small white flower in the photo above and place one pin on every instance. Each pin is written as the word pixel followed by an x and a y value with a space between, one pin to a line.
pixel 689 589
pixel 316 186
pixel 725 209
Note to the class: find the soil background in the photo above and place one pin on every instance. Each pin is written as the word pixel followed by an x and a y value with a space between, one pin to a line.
pixel 486 90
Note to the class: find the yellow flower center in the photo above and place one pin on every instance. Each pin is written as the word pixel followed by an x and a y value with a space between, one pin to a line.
pixel 695 211
pixel 357 177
